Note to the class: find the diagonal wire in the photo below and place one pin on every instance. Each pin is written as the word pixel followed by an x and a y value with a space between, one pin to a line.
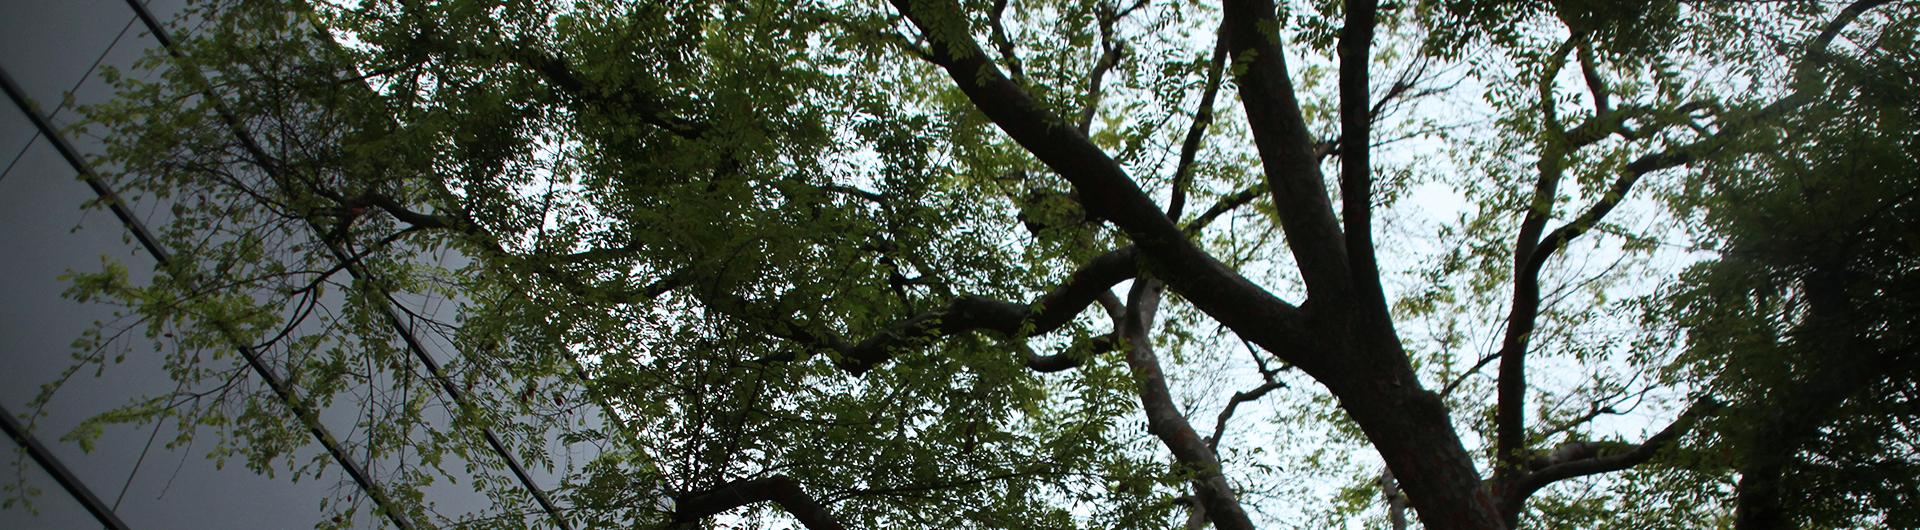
pixel 52 465
pixel 394 319
pixel 63 101
pixel 281 389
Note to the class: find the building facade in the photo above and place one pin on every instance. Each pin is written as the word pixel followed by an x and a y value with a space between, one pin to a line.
pixel 52 55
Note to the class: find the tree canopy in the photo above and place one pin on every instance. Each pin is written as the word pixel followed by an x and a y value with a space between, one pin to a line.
pixel 1047 263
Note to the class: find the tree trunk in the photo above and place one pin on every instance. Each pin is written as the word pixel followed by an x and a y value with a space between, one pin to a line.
pixel 1414 434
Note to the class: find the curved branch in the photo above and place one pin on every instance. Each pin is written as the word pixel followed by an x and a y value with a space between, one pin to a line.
pixel 1584 459
pixel 1510 420
pixel 973 313
pixel 1074 356
pixel 1688 153
pixel 778 489
pixel 1532 257
pixel 1110 54
pixel 1220 422
pixel 1596 85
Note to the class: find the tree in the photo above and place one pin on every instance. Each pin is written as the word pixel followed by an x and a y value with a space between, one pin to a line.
pixel 1811 301
pixel 808 256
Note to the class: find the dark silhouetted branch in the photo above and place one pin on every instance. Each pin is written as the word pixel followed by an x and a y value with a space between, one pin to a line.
pixel 778 489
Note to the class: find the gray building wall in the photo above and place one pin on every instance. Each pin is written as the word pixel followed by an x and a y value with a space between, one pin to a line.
pixel 49 48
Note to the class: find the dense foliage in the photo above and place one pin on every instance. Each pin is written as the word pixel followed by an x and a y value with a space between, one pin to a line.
pixel 990 264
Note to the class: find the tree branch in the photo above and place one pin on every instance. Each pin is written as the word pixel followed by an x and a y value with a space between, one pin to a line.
pixel 1510 422
pixel 400 212
pixel 1202 117
pixel 1110 54
pixel 1164 419
pixel 1004 43
pixel 1356 137
pixel 1224 205
pixel 1584 459
pixel 561 75
pixel 779 489
pixel 1287 151
pixel 973 313
pixel 1531 257
pixel 1244 196
pixel 1596 85
pixel 1220 422
pixel 1396 501
pixel 1688 153
pixel 1104 188
pixel 1074 356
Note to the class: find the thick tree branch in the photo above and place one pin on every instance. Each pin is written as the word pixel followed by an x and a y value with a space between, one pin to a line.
pixel 1287 151
pixel 1356 137
pixel 1373 377
pixel 969 314
pixel 1511 385
pixel 1357 357
pixel 1596 85
pixel 778 489
pixel 1103 186
pixel 1164 419
pixel 1584 459
pixel 1074 356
